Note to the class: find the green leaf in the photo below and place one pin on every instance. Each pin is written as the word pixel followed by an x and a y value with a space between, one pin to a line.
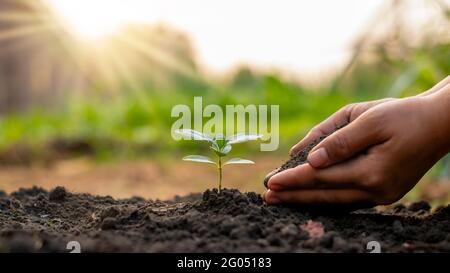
pixel 221 151
pixel 198 158
pixel 226 149
pixel 190 134
pixel 238 161
pixel 221 142
pixel 239 138
pixel 214 146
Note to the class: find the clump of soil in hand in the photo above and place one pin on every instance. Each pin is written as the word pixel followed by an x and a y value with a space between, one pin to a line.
pixel 299 158
pixel 295 160
pixel 210 222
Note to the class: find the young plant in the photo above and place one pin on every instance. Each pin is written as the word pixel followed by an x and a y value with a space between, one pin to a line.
pixel 221 146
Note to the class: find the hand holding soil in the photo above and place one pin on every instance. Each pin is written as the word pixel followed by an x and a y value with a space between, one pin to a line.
pixel 385 149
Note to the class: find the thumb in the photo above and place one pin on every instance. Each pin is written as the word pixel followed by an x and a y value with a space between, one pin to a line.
pixel 344 144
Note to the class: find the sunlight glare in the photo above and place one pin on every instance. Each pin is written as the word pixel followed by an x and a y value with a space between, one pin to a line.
pixel 298 35
pixel 91 19
pixel 220 29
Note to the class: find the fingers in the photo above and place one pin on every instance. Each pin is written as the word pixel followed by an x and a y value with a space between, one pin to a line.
pixel 319 197
pixel 315 133
pixel 346 143
pixel 344 116
pixel 268 176
pixel 344 175
pixel 326 127
pixel 300 177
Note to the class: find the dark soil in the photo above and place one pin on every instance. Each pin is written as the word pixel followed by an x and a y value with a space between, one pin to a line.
pixel 295 160
pixel 300 157
pixel 34 220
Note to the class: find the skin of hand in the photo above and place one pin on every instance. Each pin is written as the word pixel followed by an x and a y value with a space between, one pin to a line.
pixel 386 148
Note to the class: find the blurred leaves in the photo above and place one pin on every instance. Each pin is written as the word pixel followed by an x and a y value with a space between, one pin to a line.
pixel 155 68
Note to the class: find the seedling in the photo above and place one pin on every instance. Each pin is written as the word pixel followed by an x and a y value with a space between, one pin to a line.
pixel 221 146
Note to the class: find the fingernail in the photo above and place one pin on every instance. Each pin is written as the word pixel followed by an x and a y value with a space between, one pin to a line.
pixel 291 152
pixel 273 186
pixel 318 158
pixel 271 198
pixel 268 176
pixel 294 150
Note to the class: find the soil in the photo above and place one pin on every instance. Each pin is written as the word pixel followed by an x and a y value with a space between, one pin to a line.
pixel 295 160
pixel 300 157
pixel 35 220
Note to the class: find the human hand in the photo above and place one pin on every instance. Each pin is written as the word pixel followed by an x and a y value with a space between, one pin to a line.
pixel 376 159
pixel 345 115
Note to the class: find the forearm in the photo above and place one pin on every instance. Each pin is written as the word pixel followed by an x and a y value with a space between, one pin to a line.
pixel 441 110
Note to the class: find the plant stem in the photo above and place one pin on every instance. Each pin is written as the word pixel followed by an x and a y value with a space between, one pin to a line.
pixel 219 167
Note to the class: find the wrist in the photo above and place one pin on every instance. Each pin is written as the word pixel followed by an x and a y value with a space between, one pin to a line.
pixel 439 107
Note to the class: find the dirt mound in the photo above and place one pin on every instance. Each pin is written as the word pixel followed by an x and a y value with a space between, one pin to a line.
pixel 40 221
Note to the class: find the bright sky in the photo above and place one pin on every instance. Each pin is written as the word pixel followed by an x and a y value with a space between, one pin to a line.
pixel 304 36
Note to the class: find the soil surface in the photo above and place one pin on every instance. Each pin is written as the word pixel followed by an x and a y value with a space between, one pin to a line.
pixel 34 220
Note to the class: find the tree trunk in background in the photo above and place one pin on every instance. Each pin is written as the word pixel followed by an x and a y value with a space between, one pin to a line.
pixel 35 67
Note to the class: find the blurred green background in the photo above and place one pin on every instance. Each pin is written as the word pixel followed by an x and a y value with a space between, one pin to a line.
pixel 108 103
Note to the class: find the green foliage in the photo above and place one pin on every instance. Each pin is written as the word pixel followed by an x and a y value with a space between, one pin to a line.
pixel 131 122
pixel 221 146
pixel 134 122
